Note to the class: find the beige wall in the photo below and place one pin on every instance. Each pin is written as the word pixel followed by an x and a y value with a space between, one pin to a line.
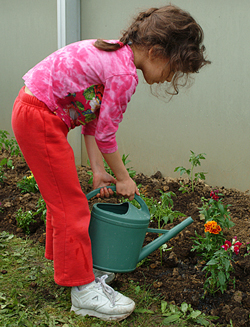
pixel 28 34
pixel 212 116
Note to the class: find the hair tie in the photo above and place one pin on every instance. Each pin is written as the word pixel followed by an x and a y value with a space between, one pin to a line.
pixel 121 44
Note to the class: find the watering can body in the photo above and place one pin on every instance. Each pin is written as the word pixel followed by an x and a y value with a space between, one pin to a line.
pixel 117 233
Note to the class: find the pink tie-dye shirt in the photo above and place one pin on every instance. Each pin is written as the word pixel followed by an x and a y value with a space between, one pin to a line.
pixel 86 86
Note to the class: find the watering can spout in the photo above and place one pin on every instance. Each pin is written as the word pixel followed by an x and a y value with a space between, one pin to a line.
pixel 167 235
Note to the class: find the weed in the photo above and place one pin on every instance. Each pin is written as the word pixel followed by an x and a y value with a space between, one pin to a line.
pixel 24 219
pixel 9 144
pixel 28 184
pixel 183 315
pixel 195 161
pixel 5 162
pixel 41 209
pixel 162 213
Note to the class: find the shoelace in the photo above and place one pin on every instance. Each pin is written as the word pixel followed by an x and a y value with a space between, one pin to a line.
pixel 107 290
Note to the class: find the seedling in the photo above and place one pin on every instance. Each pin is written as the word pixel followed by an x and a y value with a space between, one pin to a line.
pixel 9 144
pixel 183 315
pixel 195 161
pixel 28 184
pixel 24 219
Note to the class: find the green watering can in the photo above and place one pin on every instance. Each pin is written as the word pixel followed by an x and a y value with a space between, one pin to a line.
pixel 117 233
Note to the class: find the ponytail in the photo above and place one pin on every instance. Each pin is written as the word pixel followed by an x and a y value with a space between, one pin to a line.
pixel 106 46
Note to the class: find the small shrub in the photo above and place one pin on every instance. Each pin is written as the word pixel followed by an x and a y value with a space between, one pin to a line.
pixel 195 161
pixel 24 219
pixel 9 144
pixel 28 184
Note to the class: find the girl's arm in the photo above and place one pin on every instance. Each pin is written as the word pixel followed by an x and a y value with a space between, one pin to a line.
pixel 100 177
pixel 124 184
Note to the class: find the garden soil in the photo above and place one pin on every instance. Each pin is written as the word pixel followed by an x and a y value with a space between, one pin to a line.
pixel 180 278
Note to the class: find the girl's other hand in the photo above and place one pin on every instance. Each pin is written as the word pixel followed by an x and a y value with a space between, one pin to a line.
pixel 127 188
pixel 102 180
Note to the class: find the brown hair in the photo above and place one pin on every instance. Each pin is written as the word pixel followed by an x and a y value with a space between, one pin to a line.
pixel 173 34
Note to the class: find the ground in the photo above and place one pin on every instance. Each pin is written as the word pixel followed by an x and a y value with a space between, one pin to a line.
pixel 180 278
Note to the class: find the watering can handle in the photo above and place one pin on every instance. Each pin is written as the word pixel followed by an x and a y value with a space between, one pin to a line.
pixel 137 198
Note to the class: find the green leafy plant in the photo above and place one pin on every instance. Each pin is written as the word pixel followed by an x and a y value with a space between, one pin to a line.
pixel 217 218
pixel 41 209
pixel 210 247
pixel 184 315
pixel 248 249
pixel 9 144
pixel 125 161
pixel 28 184
pixel 24 219
pixel 2 177
pixel 214 209
pixel 163 213
pixel 5 163
pixel 195 161
pixel 220 266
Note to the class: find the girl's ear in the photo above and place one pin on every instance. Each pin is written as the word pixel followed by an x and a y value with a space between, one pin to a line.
pixel 151 53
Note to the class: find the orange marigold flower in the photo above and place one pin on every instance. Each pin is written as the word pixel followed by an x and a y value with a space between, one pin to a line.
pixel 212 227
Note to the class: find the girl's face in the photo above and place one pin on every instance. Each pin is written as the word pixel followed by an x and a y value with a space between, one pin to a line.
pixel 154 69
pixel 157 70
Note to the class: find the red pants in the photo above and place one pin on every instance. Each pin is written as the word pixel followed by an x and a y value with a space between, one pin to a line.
pixel 42 137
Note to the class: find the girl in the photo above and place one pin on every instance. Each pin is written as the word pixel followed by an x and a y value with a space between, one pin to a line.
pixel 89 83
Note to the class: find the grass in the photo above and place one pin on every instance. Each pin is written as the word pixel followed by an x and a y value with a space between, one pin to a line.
pixel 29 297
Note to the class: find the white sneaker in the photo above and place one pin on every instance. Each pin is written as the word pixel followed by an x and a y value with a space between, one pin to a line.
pixel 99 273
pixel 101 301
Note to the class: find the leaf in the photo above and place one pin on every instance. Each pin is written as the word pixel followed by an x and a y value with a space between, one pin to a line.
pixel 163 306
pixel 184 307
pixel 141 310
pixel 194 314
pixel 171 318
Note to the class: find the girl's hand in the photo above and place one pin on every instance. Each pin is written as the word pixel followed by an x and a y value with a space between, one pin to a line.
pixel 101 180
pixel 127 188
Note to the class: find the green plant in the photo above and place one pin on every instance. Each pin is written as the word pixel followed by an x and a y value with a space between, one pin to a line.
pixel 5 162
pixel 28 184
pixel 41 209
pixel 24 219
pixel 218 263
pixel 195 161
pixel 217 218
pixel 9 144
pixel 184 315
pixel 125 161
pixel 248 249
pixel 214 209
pixel 1 208
pixel 219 267
pixel 162 213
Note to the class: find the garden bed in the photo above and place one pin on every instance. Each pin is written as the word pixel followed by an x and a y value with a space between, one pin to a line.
pixel 180 277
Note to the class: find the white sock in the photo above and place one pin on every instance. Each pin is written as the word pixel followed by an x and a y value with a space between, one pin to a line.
pixel 82 287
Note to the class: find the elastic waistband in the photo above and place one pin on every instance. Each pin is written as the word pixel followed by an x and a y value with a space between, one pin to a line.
pixel 32 100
